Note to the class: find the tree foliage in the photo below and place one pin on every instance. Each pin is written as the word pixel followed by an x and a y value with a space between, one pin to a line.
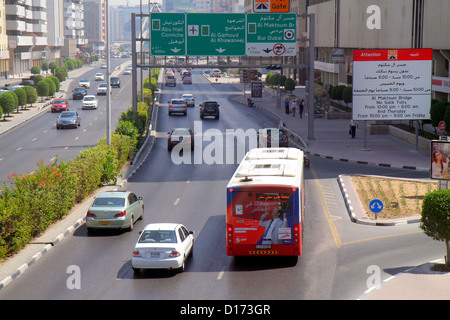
pixel 436 218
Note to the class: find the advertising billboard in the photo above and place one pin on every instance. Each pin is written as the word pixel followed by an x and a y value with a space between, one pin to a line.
pixel 440 158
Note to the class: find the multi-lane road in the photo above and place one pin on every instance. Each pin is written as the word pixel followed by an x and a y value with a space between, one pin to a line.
pixel 338 254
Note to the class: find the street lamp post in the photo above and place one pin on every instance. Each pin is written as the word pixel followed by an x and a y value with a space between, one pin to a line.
pixel 108 76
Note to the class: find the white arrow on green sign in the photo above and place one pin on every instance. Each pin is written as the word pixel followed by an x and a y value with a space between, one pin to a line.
pixel 216 34
pixel 223 34
pixel 167 34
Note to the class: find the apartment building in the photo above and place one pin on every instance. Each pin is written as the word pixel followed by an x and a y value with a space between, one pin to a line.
pixel 95 24
pixel 55 32
pixel 4 52
pixel 341 26
pixel 73 28
pixel 26 27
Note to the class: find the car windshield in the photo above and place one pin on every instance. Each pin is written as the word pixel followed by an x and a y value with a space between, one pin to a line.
pixel 89 98
pixel 59 101
pixel 79 90
pixel 158 236
pixel 84 80
pixel 67 115
pixel 103 85
pixel 109 202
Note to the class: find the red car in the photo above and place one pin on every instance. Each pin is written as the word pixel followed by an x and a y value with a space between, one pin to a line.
pixel 59 105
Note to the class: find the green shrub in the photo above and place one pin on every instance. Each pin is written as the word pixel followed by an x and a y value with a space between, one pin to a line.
pixel 435 221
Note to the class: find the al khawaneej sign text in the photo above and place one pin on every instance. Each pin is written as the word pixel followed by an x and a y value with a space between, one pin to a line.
pixel 392 84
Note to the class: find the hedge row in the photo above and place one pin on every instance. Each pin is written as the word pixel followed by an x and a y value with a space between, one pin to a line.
pixel 33 201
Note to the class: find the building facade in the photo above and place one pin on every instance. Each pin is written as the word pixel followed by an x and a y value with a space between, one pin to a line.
pixel 345 25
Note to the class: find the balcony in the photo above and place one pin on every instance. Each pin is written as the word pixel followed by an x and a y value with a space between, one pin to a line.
pixel 21 41
pixel 40 3
pixel 15 25
pixel 40 41
pixel 15 10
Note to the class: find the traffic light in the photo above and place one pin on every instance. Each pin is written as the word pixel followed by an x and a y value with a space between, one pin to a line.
pixel 273 67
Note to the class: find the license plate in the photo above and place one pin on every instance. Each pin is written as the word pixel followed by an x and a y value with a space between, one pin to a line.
pixel 263 246
pixel 104 223
pixel 154 255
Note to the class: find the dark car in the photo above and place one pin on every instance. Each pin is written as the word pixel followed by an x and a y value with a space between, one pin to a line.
pixel 79 93
pixel 209 108
pixel 180 135
pixel 115 82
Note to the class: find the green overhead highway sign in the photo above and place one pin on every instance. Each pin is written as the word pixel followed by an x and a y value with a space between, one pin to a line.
pixel 271 34
pixel 168 34
pixel 215 34
pixel 223 34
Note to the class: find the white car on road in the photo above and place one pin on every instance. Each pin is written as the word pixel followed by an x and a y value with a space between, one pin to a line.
pixel 163 246
pixel 89 102
pixel 99 77
pixel 84 83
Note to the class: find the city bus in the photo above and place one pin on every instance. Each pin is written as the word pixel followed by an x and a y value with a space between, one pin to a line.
pixel 266 203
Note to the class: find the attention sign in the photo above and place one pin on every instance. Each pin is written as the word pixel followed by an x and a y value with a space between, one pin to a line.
pixel 392 84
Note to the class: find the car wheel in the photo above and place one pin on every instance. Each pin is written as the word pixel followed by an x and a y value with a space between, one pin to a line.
pixel 136 271
pixel 130 228
pixel 142 214
pixel 183 265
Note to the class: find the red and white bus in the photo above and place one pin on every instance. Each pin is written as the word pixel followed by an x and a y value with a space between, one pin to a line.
pixel 266 203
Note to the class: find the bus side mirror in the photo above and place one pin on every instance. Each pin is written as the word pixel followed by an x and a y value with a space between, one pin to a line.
pixel 306 162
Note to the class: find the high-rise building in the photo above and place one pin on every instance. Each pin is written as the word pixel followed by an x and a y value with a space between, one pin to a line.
pixel 26 27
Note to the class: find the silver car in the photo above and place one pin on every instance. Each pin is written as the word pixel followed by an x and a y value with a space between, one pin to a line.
pixel 114 210
pixel 68 119
pixel 189 99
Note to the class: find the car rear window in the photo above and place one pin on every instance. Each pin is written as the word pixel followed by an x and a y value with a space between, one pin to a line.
pixel 181 132
pixel 109 202
pixel 158 236
pixel 210 104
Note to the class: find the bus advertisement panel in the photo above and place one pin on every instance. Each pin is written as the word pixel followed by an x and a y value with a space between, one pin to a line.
pixel 264 221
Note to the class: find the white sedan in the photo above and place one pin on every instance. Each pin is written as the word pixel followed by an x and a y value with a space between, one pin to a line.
pixel 99 77
pixel 163 246
pixel 89 102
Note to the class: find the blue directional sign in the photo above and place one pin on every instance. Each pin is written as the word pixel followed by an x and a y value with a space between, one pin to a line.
pixel 376 206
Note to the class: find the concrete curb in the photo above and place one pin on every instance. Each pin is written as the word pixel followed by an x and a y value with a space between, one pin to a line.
pixel 346 189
